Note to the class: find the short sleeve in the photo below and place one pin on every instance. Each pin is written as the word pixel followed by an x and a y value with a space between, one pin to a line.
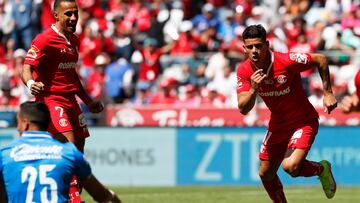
pixel 82 166
pixel 243 80
pixel 36 52
pixel 299 62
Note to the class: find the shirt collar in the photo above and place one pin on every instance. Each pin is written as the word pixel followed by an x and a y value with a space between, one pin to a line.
pixel 271 62
pixel 59 33
pixel 43 134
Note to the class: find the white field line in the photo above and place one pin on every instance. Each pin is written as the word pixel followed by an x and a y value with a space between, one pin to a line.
pixel 248 193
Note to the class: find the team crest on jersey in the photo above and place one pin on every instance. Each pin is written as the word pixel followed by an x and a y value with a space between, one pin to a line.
pixel 33 52
pixel 281 79
pixel 299 58
pixel 63 122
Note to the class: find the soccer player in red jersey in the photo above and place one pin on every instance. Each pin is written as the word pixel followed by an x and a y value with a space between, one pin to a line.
pixel 293 125
pixel 49 72
pixel 352 103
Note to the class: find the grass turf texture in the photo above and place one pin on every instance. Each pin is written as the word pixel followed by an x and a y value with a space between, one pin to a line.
pixel 228 194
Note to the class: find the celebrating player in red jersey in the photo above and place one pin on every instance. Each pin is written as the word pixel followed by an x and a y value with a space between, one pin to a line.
pixel 352 103
pixel 49 72
pixel 293 125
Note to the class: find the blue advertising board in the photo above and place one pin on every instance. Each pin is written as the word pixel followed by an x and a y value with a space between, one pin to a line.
pixel 229 156
pixel 204 156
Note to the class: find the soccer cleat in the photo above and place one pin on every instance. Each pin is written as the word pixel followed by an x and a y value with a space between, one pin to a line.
pixel 327 180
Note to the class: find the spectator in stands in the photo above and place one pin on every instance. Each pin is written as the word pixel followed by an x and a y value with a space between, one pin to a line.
pixel 316 97
pixel 303 46
pixel 258 17
pixel 199 79
pixel 208 41
pixel 224 84
pixel 155 31
pixel 117 8
pixel 142 95
pixel 119 76
pixel 351 36
pixel 96 81
pixel 199 27
pixel 210 97
pixel 5 89
pixel 150 67
pixel 7 22
pixel 23 33
pixel 188 97
pixel 105 41
pixel 225 29
pixel 351 18
pixel 206 19
pixel 167 94
pixel 185 45
pixel 19 90
pixel 89 49
pixel 47 18
pixel 217 63
pixel 352 103
pixel 122 41
pixel 277 39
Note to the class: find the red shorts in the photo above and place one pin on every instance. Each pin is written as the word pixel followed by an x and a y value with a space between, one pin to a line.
pixel 276 143
pixel 66 115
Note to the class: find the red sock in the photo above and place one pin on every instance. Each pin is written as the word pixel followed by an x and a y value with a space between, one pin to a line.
pixel 311 168
pixel 275 190
pixel 74 193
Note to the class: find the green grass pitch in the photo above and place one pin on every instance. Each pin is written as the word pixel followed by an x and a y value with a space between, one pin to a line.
pixel 229 194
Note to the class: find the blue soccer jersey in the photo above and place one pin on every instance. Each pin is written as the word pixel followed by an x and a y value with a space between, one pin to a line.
pixel 37 168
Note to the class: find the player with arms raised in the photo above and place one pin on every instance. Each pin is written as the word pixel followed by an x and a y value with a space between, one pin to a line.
pixel 293 125
pixel 49 72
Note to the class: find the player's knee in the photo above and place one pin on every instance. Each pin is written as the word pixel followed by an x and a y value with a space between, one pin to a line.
pixel 266 175
pixel 291 168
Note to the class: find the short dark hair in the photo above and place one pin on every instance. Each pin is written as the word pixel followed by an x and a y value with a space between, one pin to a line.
pixel 254 31
pixel 58 2
pixel 37 112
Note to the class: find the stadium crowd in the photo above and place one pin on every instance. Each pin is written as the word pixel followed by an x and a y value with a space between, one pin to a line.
pixel 180 52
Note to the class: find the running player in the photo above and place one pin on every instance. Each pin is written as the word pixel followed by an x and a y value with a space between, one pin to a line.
pixel 275 77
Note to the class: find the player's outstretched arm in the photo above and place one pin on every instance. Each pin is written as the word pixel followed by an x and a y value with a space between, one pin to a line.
pixel 98 191
pixel 330 102
pixel 246 100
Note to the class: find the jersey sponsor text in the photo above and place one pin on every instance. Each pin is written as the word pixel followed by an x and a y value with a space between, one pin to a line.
pixel 275 93
pixel 68 65
pixel 26 152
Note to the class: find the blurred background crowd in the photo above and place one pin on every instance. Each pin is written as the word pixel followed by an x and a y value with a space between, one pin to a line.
pixel 182 53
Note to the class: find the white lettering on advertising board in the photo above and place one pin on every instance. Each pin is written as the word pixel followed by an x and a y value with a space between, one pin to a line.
pixel 203 173
pixel 133 156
